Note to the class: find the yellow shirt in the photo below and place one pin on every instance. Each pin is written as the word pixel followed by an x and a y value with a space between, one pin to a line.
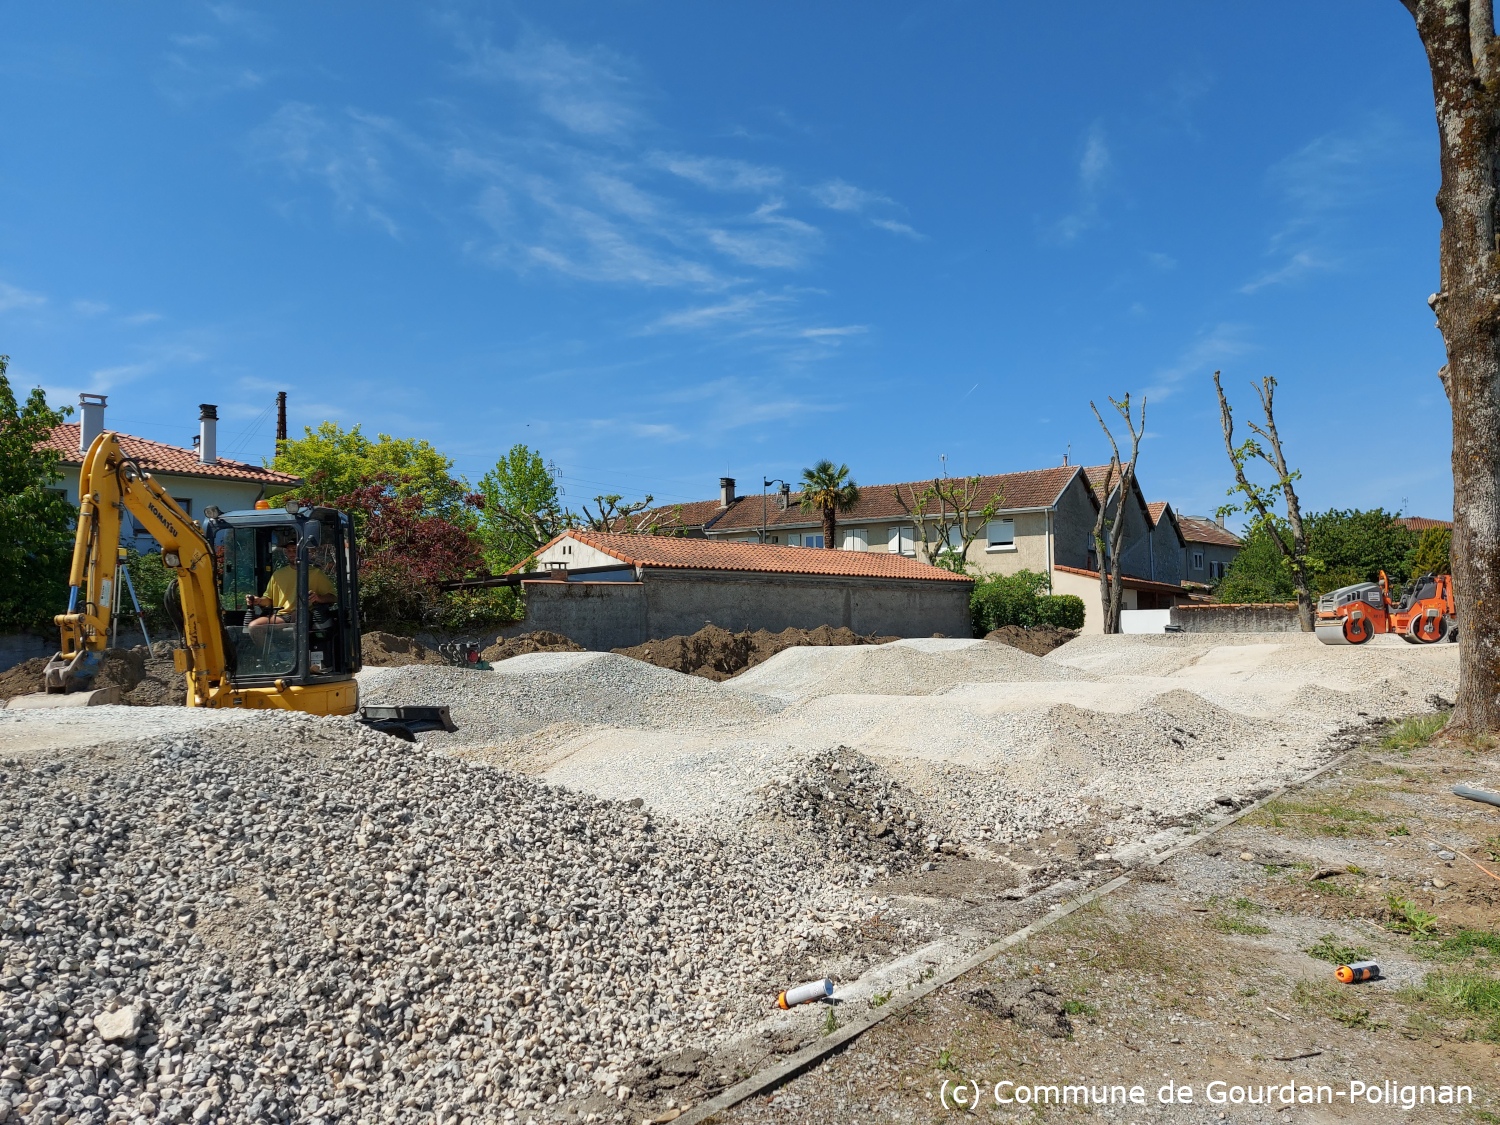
pixel 282 589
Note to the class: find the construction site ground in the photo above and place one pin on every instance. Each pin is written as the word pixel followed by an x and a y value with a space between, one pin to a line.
pixel 1217 966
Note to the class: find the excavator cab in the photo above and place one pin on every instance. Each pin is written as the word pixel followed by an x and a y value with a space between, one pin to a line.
pixel 304 561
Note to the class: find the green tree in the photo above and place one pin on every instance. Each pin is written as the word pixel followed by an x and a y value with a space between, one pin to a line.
pixel 1431 554
pixel 1260 573
pixel 36 520
pixel 334 462
pixel 830 491
pixel 1350 546
pixel 521 511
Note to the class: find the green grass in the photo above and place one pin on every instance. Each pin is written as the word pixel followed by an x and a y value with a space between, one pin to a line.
pixel 1414 733
pixel 1408 919
pixel 945 1059
pixel 1330 949
pixel 1336 1001
pixel 1079 1008
pixel 831 1023
pixel 1228 924
pixel 1471 941
pixel 1471 994
pixel 1400 830
pixel 879 999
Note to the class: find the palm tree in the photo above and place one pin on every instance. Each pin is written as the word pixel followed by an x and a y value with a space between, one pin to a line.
pixel 828 490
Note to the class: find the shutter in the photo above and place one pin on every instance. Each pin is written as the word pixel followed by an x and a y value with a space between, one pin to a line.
pixel 893 540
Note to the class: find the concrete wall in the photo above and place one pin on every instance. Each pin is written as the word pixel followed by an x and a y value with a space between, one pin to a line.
pixel 1212 552
pixel 1275 617
pixel 1145 620
pixel 18 647
pixel 1166 555
pixel 605 615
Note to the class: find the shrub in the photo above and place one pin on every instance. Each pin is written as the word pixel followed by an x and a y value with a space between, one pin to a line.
pixel 1021 599
pixel 1063 610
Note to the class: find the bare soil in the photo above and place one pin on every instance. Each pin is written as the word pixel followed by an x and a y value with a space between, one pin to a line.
pixel 539 641
pixel 1038 640
pixel 144 679
pixel 1218 965
pixel 717 654
pixel 390 650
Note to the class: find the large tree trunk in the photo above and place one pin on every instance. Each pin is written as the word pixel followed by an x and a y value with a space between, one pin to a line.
pixel 1462 53
pixel 830 528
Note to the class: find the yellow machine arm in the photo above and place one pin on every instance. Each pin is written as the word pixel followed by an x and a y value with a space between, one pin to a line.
pixel 111 484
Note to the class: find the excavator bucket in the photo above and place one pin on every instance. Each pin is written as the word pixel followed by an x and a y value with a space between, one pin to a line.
pixel 68 681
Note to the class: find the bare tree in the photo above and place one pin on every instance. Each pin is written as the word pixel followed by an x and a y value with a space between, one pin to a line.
pixel 1259 503
pixel 1464 58
pixel 1110 590
pixel 948 503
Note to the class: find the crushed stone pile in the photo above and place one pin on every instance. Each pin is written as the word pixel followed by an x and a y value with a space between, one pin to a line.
pixel 906 667
pixel 538 641
pixel 715 653
pixel 845 807
pixel 537 690
pixel 1038 640
pixel 294 918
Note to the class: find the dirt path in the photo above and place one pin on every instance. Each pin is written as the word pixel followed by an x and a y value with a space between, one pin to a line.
pixel 1218 965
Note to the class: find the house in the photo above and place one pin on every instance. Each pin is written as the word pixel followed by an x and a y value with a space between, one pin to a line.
pixel 1208 550
pixel 1422 523
pixel 609 591
pixel 195 478
pixel 1043 523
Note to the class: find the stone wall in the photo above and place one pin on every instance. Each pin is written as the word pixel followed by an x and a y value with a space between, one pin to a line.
pixel 18 647
pixel 1272 617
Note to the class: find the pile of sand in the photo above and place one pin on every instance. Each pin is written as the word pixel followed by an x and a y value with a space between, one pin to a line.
pixel 1038 640
pixel 714 653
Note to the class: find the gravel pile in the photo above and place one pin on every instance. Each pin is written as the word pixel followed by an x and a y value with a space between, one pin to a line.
pixel 531 692
pixel 909 667
pixel 505 648
pixel 717 654
pixel 300 919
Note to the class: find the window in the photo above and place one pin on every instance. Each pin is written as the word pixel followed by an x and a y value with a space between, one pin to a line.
pixel 812 541
pixel 1002 535
pixel 1197 560
pixel 901 541
pixel 774 539
pixel 856 539
pixel 1217 569
pixel 185 504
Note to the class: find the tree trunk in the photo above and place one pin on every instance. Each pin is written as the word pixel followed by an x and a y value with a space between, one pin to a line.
pixel 830 528
pixel 1462 54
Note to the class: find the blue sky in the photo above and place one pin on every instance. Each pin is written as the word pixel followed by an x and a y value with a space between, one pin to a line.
pixel 662 242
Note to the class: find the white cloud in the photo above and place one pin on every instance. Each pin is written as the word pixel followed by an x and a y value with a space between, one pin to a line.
pixel 13 298
pixel 1093 174
pixel 1300 264
pixel 897 228
pixel 588 92
pixel 720 174
pixel 90 308
pixel 735 309
pixel 832 333
pixel 840 196
pixel 1200 357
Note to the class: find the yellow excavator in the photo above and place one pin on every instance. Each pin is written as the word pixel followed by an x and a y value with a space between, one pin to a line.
pixel 234 651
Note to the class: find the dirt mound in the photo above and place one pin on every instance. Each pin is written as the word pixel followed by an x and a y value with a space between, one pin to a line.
pixel 161 685
pixel 521 643
pixel 121 667
pixel 388 650
pixel 717 654
pixel 1038 640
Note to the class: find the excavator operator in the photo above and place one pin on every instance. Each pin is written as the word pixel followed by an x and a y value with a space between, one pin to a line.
pixel 281 590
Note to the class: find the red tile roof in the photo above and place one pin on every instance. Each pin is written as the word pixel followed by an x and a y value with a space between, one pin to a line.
pixel 1160 509
pixel 157 457
pixel 1035 488
pixel 695 513
pixel 1422 523
pixel 1196 529
pixel 1129 581
pixel 1156 508
pixel 674 552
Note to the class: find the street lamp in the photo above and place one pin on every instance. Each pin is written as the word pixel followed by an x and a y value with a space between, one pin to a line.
pixel 786 492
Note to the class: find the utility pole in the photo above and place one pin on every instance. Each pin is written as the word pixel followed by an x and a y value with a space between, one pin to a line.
pixel 280 419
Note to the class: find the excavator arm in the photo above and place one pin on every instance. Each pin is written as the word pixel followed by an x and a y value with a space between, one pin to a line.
pixel 111 484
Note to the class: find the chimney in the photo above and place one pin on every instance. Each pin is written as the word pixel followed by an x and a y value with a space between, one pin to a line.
pixel 91 414
pixel 208 434
pixel 784 496
pixel 726 491
pixel 1220 519
pixel 280 417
